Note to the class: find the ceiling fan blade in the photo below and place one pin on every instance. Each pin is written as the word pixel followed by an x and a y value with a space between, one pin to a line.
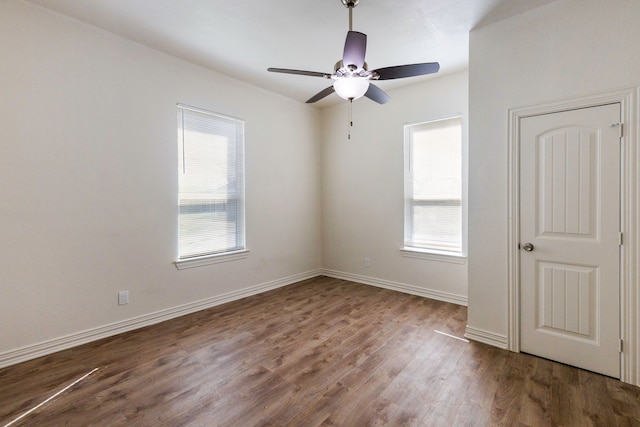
pixel 355 48
pixel 300 72
pixel 376 94
pixel 318 96
pixel 402 71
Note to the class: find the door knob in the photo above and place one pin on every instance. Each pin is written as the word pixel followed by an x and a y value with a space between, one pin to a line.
pixel 528 247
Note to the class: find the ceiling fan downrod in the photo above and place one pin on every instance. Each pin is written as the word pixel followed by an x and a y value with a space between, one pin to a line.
pixel 350 4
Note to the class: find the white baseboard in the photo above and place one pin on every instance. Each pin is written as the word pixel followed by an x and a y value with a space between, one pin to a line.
pixel 487 337
pixel 23 354
pixel 400 287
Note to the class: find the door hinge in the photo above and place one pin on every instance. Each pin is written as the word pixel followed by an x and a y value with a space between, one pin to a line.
pixel 621 346
pixel 620 239
pixel 620 127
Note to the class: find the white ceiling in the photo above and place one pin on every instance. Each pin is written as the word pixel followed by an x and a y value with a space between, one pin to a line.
pixel 242 38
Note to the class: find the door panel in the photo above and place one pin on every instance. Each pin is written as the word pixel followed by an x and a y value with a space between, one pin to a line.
pixel 568 167
pixel 565 294
pixel 569 212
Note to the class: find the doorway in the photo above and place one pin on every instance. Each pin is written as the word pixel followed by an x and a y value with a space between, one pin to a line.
pixel 629 251
pixel 569 232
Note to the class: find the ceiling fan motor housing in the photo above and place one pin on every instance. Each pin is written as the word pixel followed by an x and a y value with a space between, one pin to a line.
pixel 340 70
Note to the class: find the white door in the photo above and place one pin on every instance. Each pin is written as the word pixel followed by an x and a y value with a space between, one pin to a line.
pixel 569 237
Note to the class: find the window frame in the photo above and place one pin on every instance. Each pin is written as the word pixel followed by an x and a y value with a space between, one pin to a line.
pixel 426 252
pixel 240 250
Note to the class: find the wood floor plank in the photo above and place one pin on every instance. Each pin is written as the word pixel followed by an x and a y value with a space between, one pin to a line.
pixel 322 352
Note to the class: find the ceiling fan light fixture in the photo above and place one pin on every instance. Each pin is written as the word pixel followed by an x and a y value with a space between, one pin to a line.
pixel 351 87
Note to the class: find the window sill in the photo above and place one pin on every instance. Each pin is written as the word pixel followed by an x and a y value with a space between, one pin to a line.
pixel 433 255
pixel 211 259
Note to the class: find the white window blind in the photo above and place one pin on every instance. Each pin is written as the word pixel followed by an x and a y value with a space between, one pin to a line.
pixel 211 183
pixel 433 185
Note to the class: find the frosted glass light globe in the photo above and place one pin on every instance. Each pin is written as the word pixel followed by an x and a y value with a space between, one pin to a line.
pixel 351 87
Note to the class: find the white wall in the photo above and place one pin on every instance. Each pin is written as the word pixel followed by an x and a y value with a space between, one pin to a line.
pixel 362 188
pixel 88 166
pixel 566 49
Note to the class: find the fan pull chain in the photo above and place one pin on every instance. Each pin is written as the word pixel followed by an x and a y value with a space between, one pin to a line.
pixel 350 118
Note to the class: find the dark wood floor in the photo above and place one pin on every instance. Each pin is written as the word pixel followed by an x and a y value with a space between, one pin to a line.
pixel 321 352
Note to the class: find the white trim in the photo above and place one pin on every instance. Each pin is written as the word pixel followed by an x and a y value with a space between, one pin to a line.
pixel 210 259
pixel 400 287
pixel 486 337
pixel 433 255
pixel 630 251
pixel 52 346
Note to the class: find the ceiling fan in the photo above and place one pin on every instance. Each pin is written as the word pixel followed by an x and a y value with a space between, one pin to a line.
pixel 351 74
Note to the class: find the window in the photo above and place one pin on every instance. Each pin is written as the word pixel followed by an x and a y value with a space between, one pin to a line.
pixel 211 184
pixel 433 186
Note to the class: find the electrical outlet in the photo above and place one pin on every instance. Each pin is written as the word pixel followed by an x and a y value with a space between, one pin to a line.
pixel 367 262
pixel 123 297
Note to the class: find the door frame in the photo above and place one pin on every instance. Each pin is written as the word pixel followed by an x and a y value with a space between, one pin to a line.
pixel 629 210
